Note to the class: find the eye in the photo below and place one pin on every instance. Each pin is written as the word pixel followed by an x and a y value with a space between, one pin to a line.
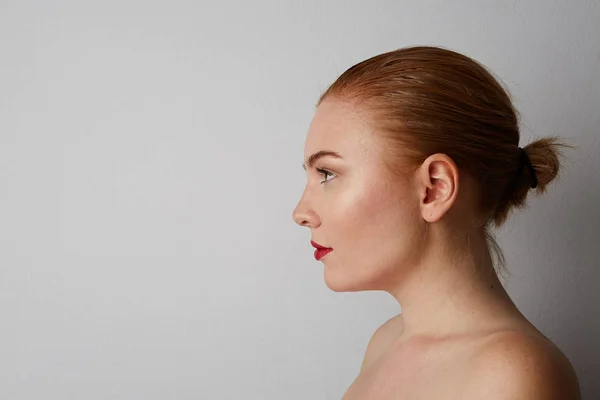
pixel 325 173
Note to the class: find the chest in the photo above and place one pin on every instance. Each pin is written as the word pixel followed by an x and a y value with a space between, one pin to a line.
pixel 432 375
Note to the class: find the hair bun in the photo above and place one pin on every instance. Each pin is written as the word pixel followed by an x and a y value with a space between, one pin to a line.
pixel 524 160
pixel 542 158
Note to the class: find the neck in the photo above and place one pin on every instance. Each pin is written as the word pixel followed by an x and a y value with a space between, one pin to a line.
pixel 453 289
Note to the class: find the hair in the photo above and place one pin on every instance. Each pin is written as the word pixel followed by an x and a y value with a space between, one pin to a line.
pixel 425 100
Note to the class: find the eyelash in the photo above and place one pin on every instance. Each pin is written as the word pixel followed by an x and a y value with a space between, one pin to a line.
pixel 324 172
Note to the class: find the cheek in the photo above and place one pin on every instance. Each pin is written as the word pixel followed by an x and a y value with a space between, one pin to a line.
pixel 375 235
pixel 378 225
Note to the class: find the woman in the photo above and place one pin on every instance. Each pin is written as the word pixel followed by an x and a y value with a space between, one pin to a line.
pixel 412 156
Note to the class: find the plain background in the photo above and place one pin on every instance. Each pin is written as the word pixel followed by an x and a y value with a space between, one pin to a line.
pixel 151 159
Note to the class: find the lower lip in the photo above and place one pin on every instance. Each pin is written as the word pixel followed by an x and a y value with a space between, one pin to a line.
pixel 320 253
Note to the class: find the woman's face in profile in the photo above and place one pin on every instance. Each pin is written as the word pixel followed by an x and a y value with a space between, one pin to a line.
pixel 370 218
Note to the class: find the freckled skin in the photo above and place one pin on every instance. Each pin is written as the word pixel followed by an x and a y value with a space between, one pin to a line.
pixel 364 213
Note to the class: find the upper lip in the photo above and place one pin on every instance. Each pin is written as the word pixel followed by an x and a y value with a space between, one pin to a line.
pixel 318 246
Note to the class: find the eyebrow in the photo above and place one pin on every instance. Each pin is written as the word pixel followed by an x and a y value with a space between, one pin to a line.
pixel 319 154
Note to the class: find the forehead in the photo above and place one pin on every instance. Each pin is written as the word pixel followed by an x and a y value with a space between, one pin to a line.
pixel 340 127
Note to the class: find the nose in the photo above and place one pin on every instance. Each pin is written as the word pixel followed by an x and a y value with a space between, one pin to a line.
pixel 304 216
pixel 301 217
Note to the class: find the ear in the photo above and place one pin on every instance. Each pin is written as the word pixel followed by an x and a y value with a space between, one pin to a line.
pixel 437 184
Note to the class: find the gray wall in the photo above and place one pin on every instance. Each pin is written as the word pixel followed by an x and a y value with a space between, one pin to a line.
pixel 151 159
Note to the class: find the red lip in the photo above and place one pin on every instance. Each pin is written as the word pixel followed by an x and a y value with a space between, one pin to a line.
pixel 320 251
pixel 318 246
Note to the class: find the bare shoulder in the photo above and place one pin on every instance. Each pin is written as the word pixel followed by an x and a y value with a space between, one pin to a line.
pixel 393 326
pixel 516 365
pixel 382 338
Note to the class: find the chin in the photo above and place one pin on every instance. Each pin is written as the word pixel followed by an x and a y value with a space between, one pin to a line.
pixel 340 288
pixel 344 282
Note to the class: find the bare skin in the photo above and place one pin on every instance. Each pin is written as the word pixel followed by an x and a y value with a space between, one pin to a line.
pixel 509 363
pixel 420 239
